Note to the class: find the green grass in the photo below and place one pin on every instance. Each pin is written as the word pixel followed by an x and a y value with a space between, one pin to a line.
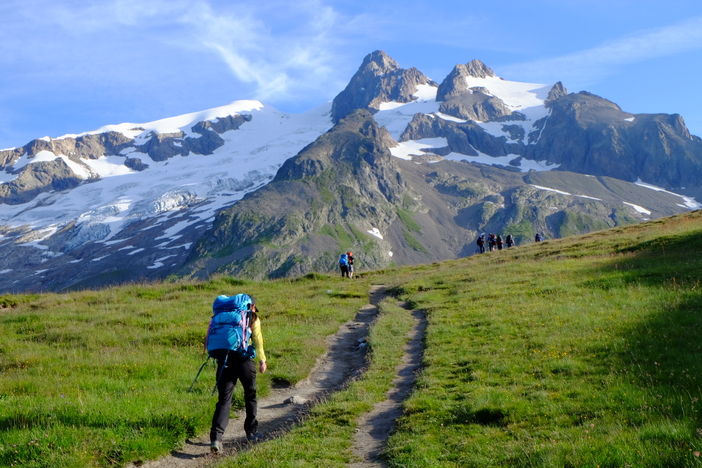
pixel 324 439
pixel 413 242
pixel 578 352
pixel 99 378
pixel 408 220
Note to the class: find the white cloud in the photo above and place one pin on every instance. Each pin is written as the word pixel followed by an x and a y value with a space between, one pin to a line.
pixel 280 48
pixel 280 61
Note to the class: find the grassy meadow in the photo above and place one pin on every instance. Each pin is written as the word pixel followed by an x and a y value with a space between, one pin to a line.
pixel 100 378
pixel 578 352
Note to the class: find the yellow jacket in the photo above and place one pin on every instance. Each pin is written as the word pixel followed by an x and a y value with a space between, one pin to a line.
pixel 257 339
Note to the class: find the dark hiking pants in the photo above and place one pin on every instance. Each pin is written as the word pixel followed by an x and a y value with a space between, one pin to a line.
pixel 243 370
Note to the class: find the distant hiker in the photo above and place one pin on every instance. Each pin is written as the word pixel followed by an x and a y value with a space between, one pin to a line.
pixel 234 324
pixel 510 241
pixel 538 238
pixel 499 242
pixel 349 256
pixel 481 243
pixel 344 265
pixel 492 241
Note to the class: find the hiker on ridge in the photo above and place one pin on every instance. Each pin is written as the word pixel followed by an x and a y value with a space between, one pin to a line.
pixel 349 255
pixel 538 238
pixel 234 324
pixel 510 241
pixel 481 243
pixel 492 242
pixel 499 242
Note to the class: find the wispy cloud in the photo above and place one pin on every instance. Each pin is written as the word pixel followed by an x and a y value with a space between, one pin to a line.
pixel 279 49
pixel 592 65
pixel 279 60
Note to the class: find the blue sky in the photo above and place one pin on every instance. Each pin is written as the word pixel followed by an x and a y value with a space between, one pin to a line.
pixel 70 66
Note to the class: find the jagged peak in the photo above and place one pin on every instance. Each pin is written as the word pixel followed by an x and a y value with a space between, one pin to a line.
pixel 476 69
pixel 378 61
pixel 558 90
pixel 379 79
pixel 454 83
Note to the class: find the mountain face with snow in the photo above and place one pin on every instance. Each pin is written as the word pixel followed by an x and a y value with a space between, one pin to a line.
pixel 398 168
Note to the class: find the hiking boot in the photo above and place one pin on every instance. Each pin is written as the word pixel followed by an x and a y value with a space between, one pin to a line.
pixel 216 446
pixel 254 436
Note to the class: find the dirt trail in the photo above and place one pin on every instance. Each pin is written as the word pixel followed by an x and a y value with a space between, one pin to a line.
pixel 374 427
pixel 344 360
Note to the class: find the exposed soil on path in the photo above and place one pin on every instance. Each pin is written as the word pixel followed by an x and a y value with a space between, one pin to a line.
pixel 344 360
pixel 375 427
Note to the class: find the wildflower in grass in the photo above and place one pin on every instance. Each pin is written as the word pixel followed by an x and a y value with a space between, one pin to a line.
pixel 697 454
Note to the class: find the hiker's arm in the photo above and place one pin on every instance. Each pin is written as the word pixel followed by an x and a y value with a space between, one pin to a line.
pixel 257 338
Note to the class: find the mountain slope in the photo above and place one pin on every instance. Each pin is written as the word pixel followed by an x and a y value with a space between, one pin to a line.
pixel 345 192
pixel 411 172
pixel 134 208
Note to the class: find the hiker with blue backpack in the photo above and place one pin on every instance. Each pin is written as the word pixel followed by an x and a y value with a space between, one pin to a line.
pixel 344 265
pixel 233 326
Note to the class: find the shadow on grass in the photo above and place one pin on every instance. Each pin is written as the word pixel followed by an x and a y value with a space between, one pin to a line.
pixel 662 352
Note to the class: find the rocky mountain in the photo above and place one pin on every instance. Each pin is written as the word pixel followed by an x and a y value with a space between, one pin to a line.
pixel 398 168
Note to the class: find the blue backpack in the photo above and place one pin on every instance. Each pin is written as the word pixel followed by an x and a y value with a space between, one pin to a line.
pixel 230 327
pixel 344 260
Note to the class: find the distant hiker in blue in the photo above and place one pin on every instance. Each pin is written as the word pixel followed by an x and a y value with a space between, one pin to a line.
pixel 344 265
pixel 538 238
pixel 234 325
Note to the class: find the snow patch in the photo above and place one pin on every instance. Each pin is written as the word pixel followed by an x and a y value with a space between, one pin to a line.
pixel 564 193
pixel 525 165
pixel 375 232
pixel 77 169
pixel 406 149
pixel 185 246
pixel 159 262
pixel 108 166
pixel 41 156
pixel 638 208
pixel 2 272
pixel 689 201
pixel 179 123
pixel 551 190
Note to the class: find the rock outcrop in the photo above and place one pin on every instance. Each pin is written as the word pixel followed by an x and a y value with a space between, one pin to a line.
pixel 474 103
pixel 588 134
pixel 38 178
pixel 379 79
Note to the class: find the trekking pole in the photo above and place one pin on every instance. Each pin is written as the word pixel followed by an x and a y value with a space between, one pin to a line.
pixel 198 373
pixel 219 374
